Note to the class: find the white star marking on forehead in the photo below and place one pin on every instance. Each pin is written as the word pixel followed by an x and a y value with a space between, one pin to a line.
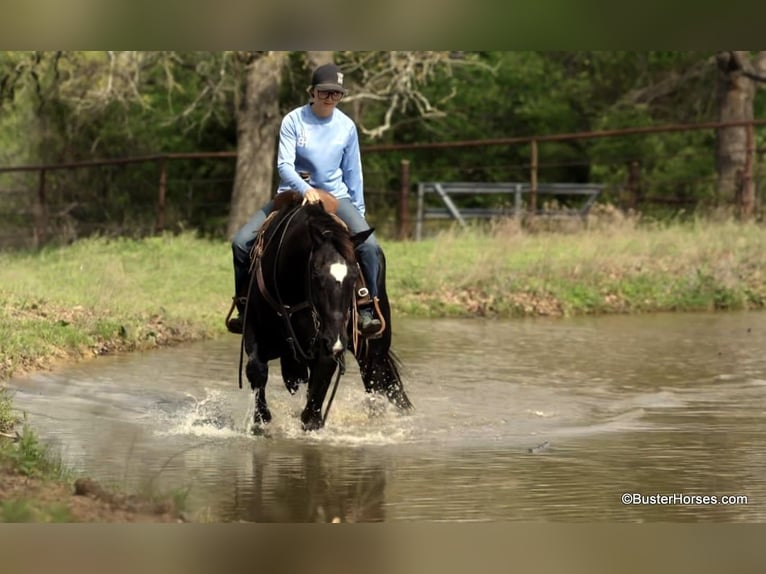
pixel 339 270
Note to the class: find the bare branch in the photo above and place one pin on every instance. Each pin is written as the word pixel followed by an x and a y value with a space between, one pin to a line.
pixel 396 80
pixel 667 86
pixel 739 61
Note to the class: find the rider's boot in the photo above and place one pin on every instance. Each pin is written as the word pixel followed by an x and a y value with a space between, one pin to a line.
pixel 236 324
pixel 368 323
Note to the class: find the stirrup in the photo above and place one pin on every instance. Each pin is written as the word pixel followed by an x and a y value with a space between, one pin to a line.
pixel 235 324
pixel 369 325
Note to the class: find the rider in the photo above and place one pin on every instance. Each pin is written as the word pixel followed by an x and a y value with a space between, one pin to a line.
pixel 318 139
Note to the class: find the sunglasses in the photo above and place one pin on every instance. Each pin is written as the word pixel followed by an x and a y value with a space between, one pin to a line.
pixel 334 94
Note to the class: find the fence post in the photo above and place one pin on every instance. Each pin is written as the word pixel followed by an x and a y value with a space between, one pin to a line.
pixel 404 200
pixel 517 205
pixel 41 213
pixel 420 213
pixel 758 182
pixel 161 199
pixel 533 180
pixel 634 184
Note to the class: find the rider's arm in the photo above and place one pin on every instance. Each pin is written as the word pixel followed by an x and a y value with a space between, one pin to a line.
pixel 288 139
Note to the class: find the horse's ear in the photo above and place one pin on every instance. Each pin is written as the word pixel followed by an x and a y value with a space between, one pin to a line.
pixel 358 238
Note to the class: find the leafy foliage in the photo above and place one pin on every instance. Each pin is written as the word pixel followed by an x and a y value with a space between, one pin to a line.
pixel 74 106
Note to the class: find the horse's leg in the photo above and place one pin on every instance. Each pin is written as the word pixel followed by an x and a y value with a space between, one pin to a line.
pixel 380 373
pixel 262 413
pixel 377 363
pixel 257 373
pixel 320 375
pixel 379 368
pixel 293 373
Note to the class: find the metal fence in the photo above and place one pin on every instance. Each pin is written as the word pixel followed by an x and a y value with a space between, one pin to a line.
pixel 144 195
pixel 515 200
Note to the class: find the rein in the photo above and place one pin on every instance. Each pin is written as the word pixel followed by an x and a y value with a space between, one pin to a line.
pixel 341 371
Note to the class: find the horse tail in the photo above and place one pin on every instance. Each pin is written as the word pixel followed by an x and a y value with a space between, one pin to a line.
pixel 396 391
pixel 384 375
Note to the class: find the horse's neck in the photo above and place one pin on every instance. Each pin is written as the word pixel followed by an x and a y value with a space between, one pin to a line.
pixel 287 255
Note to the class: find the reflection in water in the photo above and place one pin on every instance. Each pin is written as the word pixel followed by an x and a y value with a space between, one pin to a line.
pixel 665 404
pixel 309 483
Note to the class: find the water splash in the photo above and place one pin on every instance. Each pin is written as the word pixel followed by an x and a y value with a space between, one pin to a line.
pixel 356 419
pixel 209 416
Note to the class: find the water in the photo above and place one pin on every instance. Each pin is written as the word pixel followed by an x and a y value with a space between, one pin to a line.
pixel 515 420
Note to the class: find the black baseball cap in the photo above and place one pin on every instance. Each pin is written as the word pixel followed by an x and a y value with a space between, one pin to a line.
pixel 328 77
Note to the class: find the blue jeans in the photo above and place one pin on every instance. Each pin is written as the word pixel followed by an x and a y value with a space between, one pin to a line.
pixel 367 252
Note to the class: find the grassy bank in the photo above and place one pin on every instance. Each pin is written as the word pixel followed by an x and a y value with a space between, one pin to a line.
pixel 617 269
pixel 98 296
pixel 103 296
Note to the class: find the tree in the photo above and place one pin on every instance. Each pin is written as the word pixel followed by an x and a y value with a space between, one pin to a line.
pixel 740 75
pixel 258 120
pixel 86 102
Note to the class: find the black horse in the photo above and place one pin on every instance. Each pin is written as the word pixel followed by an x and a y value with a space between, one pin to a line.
pixel 299 307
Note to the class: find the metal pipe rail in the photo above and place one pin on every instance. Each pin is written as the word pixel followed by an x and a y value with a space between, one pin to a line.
pixel 447 190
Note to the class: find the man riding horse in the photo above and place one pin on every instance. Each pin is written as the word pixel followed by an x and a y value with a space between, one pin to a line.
pixel 318 159
pixel 318 150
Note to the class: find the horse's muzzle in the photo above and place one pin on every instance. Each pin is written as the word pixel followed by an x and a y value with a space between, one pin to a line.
pixel 335 345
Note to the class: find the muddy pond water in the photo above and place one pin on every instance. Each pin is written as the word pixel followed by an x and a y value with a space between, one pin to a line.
pixel 515 420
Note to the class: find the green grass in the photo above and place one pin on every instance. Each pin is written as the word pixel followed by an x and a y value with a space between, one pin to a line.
pixel 30 510
pixel 8 418
pixel 685 267
pixel 28 456
pixel 170 275
pixel 101 295
pixel 104 295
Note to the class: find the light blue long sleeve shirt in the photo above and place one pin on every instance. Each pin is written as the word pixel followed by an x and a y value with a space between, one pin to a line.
pixel 326 148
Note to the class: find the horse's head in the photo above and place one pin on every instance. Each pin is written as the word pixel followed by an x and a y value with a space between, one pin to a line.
pixel 334 274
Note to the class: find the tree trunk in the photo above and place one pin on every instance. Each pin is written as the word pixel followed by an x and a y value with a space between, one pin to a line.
pixel 258 120
pixel 736 92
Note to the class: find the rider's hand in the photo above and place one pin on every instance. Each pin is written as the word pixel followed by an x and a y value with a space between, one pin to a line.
pixel 311 196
